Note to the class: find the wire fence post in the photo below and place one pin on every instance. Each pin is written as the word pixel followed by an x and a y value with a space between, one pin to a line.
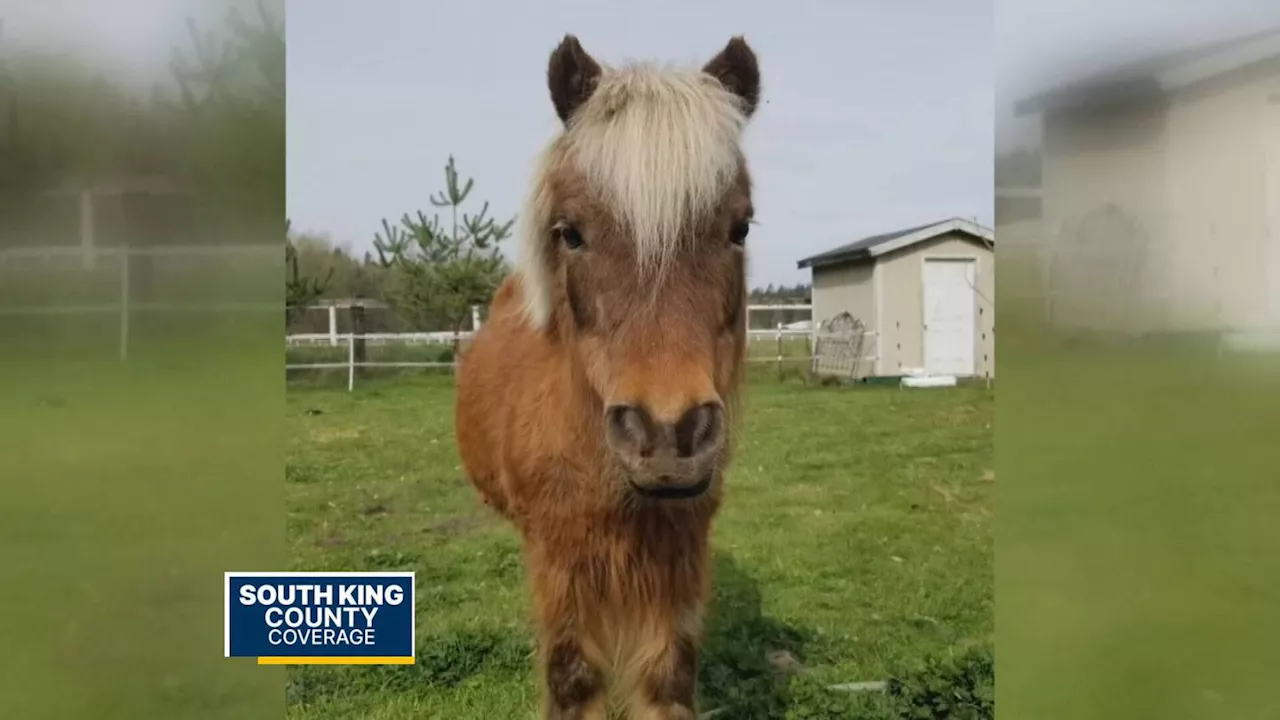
pixel 351 362
pixel 779 349
pixel 813 341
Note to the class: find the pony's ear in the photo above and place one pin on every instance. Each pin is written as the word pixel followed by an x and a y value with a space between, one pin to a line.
pixel 571 75
pixel 735 67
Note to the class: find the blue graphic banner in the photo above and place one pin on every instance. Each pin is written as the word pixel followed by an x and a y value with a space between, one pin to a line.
pixel 339 618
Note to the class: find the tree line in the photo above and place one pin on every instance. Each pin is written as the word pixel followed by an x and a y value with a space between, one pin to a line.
pixel 212 131
pixel 798 294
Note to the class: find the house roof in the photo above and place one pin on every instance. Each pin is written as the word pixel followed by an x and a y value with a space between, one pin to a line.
pixel 1157 75
pixel 877 245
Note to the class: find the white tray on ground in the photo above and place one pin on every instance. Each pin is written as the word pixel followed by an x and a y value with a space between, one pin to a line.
pixel 929 381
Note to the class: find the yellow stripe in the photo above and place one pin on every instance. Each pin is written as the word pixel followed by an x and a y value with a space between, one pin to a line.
pixel 335 661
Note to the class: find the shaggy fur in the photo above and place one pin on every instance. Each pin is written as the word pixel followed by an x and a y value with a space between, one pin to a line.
pixel 644 194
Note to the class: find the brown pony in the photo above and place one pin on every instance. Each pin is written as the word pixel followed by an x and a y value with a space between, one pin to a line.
pixel 594 406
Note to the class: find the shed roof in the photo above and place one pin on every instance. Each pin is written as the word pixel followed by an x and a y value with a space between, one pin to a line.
pixel 876 245
pixel 1158 74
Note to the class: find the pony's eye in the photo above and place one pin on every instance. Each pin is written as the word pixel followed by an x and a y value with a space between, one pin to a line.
pixel 738 233
pixel 571 237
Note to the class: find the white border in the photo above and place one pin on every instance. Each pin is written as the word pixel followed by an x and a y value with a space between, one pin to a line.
pixel 413 597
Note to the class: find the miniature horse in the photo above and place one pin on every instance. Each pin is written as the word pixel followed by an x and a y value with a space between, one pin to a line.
pixel 594 407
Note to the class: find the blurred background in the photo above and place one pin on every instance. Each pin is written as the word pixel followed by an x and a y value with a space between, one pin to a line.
pixel 1138 205
pixel 141 227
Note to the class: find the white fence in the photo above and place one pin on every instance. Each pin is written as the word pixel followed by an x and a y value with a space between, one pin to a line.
pixel 781 334
pixel 380 338
pixel 87 259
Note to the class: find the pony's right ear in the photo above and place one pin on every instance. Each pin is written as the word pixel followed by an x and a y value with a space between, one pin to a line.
pixel 572 75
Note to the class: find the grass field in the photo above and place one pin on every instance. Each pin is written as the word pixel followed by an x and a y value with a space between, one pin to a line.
pixel 1137 535
pixel 856 538
pixel 127 489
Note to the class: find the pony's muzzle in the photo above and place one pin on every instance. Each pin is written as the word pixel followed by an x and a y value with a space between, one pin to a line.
pixel 667 459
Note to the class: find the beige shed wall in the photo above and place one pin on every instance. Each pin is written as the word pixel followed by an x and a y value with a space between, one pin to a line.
pixel 1091 163
pixel 844 288
pixel 847 288
pixel 1219 146
pixel 1199 176
pixel 901 281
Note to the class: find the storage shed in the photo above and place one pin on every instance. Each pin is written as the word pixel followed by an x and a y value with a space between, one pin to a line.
pixel 924 295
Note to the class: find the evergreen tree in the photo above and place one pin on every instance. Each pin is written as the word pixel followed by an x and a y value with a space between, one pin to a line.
pixel 439 272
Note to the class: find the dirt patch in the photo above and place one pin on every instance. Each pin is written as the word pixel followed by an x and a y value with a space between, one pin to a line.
pixel 328 435
pixel 784 662
pixel 456 525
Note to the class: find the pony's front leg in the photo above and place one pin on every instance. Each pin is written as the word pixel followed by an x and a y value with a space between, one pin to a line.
pixel 667 684
pixel 575 688
pixel 573 683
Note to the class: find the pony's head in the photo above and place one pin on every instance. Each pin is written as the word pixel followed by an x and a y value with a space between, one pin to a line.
pixel 633 253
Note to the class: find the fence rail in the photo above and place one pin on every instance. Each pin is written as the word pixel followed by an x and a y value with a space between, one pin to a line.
pixel 780 335
pixel 125 306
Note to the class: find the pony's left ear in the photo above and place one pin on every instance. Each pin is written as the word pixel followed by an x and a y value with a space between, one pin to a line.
pixel 735 67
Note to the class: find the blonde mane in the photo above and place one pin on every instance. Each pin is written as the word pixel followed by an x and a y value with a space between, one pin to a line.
pixel 661 146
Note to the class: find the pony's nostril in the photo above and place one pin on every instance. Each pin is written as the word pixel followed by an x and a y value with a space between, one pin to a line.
pixel 631 429
pixel 698 429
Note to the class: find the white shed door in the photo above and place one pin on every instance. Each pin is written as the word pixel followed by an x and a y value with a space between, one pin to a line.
pixel 950 317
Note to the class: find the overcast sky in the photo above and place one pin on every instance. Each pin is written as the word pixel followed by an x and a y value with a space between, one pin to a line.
pixel 129 41
pixel 878 115
pixel 1049 41
pixel 875 116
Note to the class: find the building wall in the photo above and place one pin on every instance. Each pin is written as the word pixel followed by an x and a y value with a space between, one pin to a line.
pixel 1272 258
pixel 1103 207
pixel 848 287
pixel 901 280
pixel 1220 136
pixel 844 288
pixel 1191 174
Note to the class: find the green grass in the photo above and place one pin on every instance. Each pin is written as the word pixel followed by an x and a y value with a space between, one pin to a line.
pixel 127 490
pixel 856 536
pixel 128 487
pixel 1138 541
